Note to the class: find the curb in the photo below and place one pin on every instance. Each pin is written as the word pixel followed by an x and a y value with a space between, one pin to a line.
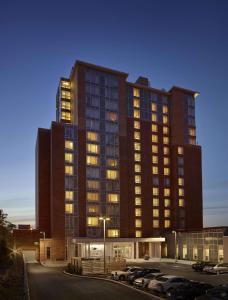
pixel 115 282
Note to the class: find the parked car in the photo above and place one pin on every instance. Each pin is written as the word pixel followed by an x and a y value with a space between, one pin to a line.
pixel 141 273
pixel 217 269
pixel 219 292
pixel 122 274
pixel 200 265
pixel 165 283
pixel 142 282
pixel 188 291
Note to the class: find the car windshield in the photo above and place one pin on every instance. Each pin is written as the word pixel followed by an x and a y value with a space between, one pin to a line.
pixel 163 279
pixel 125 269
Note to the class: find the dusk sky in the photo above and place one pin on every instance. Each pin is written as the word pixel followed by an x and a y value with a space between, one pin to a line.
pixel 183 43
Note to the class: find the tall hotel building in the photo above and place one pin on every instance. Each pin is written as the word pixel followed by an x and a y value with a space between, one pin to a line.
pixel 122 150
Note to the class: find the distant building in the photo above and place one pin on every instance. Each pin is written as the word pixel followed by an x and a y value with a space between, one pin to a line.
pixel 118 149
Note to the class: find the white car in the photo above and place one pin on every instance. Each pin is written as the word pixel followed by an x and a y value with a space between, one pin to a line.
pixel 164 283
pixel 122 274
pixel 217 269
pixel 142 282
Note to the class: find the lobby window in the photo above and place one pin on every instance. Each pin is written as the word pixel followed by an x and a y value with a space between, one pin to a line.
pixel 68 157
pixel 113 198
pixel 153 106
pixel 153 117
pixel 155 170
pixel 138 201
pixel 180 150
pixel 181 192
pixel 166 171
pixel 136 92
pixel 92 136
pixel 154 149
pixel 167 213
pixel 65 115
pixel 137 156
pixel 136 102
pixel 165 140
pixel 137 146
pixel 165 109
pixel 166 160
pixel 155 212
pixel 111 162
pixel 138 233
pixel 155 191
pixel 137 135
pixel 93 184
pixel 136 113
pixel 65 105
pixel 93 148
pixel 167 224
pixel 136 124
pixel 138 223
pixel 92 221
pixel 165 120
pixel 181 202
pixel 69 145
pixel 137 168
pixel 167 202
pixel 113 232
pixel 111 116
pixel 154 138
pixel 69 195
pixel 137 179
pixel 69 170
pixel 111 174
pixel 68 208
pixel 180 181
pixel 65 94
pixel 92 196
pixel 93 209
pixel 137 190
pixel 165 130
pixel 166 150
pixel 154 127
pixel 138 212
pixel 156 223
pixel 166 192
pixel 92 160
pixel 154 159
pixel 155 202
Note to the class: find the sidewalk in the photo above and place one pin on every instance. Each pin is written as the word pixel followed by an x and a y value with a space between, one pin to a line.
pixel 160 260
pixel 54 264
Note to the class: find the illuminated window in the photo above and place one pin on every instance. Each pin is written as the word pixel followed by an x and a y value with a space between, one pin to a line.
pixel 180 150
pixel 155 202
pixel 138 212
pixel 111 174
pixel 167 192
pixel 138 233
pixel 155 170
pixel 165 130
pixel 65 84
pixel 181 192
pixel 138 201
pixel 156 223
pixel 93 148
pixel 68 208
pixel 65 94
pixel 92 136
pixel 138 223
pixel 69 170
pixel 154 159
pixel 137 146
pixel 154 117
pixel 137 135
pixel 165 140
pixel 165 120
pixel 111 162
pixel 166 171
pixel 65 105
pixel 65 115
pixel 111 116
pixel 69 144
pixel 155 212
pixel 92 221
pixel 69 195
pixel 154 127
pixel 165 109
pixel 153 106
pixel 167 223
pixel 93 184
pixel 154 138
pixel 136 92
pixel 166 160
pixel 154 149
pixel 92 160
pixel 68 157
pixel 137 179
pixel 166 150
pixel 137 156
pixel 192 131
pixel 113 232
pixel 192 141
pixel 113 198
pixel 92 196
pixel 137 190
pixel 167 213
pixel 181 202
pixel 136 124
pixel 155 191
pixel 137 168
pixel 167 202
pixel 136 102
pixel 180 181
pixel 136 113
pixel 93 209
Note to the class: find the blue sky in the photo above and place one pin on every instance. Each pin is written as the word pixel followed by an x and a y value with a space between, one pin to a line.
pixel 181 43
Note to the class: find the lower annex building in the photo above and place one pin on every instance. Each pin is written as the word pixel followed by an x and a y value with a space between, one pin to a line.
pixel 120 150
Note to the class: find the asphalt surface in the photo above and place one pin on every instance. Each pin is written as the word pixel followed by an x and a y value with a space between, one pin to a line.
pixel 51 284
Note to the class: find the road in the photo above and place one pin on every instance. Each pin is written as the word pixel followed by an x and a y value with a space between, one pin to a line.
pixel 51 284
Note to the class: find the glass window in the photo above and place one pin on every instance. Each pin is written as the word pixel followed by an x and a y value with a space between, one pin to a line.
pixel 153 117
pixel 165 130
pixel 138 223
pixel 181 171
pixel 65 84
pixel 113 198
pixel 137 135
pixel 136 124
pixel 136 92
pixel 154 159
pixel 138 212
pixel 155 170
pixel 166 171
pixel 192 141
pixel 111 162
pixel 137 179
pixel 112 174
pixel 92 221
pixel 156 223
pixel 154 127
pixel 166 160
pixel 68 208
pixel 92 136
pixel 167 202
pixel 155 191
pixel 136 102
pixel 154 149
pixel 165 140
pixel 65 115
pixel 92 172
pixel 113 232
pixel 180 181
pixel 93 184
pixel 111 116
pixel 65 105
pixel 180 160
pixel 138 201
pixel 93 148
pixel 167 213
pixel 137 190
pixel 166 150
pixel 92 160
pixel 155 202
pixel 137 146
pixel 137 156
pixel 92 196
pixel 155 212
pixel 154 138
pixel 181 202
pixel 166 192
pixel 181 192
pixel 165 120
pixel 69 144
pixel 153 106
pixel 192 131
pixel 69 170
pixel 155 180
pixel 138 233
pixel 180 150
pixel 65 94
pixel 137 168
pixel 69 195
pixel 68 157
pixel 136 113
pixel 93 209
pixel 167 223
pixel 165 109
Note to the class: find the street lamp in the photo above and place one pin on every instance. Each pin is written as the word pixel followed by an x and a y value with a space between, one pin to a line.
pixel 104 219
pixel 175 237
pixel 43 232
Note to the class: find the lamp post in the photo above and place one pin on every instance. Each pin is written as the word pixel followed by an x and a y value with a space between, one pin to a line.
pixel 43 232
pixel 104 219
pixel 175 238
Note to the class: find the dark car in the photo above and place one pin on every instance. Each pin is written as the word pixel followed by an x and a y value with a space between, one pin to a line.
pixel 188 291
pixel 219 292
pixel 141 273
pixel 200 265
